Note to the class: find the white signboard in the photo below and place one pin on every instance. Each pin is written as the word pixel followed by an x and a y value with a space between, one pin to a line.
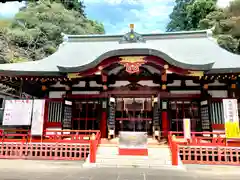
pixel 38 117
pixel 187 128
pixel 17 112
pixel 230 110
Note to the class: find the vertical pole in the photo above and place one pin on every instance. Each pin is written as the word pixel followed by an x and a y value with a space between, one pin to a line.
pixel 164 103
pixel 93 149
pixel 164 124
pixel 103 121
pixel 174 153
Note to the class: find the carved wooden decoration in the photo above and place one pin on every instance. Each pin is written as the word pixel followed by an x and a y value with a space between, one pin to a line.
pixel 132 63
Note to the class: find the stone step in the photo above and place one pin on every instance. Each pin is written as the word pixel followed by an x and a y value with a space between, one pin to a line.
pixel 100 156
pixel 133 162
pixel 167 167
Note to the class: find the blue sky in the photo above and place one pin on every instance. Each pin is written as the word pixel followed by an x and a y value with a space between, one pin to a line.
pixel 149 16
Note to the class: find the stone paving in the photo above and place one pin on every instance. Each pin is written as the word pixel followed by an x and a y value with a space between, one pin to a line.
pixel 65 170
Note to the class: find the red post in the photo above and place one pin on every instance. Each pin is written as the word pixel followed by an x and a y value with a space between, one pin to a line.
pixel 174 153
pixel 93 149
pixel 45 117
pixel 164 124
pixel 103 124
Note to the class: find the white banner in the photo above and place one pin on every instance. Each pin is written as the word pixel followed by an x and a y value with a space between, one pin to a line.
pixel 230 110
pixel 17 112
pixel 38 117
pixel 187 128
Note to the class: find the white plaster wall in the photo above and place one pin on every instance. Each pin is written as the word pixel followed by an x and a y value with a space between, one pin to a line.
pixel 185 92
pixel 85 92
pixel 80 84
pixel 119 83
pixel 216 83
pixel 94 84
pixel 58 84
pixel 191 83
pixel 175 83
pixel 148 83
pixel 218 94
pixel 56 94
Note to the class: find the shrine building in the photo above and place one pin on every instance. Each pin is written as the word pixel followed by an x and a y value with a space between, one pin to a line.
pixel 131 82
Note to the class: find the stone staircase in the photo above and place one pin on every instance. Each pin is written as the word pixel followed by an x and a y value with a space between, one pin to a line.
pixel 107 156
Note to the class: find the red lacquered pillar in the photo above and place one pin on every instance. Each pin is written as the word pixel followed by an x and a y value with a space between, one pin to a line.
pixel 165 127
pixel 103 121
pixel 46 97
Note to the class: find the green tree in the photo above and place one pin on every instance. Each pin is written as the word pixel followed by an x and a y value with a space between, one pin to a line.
pixel 198 11
pixel 178 17
pixel 35 32
pixel 203 14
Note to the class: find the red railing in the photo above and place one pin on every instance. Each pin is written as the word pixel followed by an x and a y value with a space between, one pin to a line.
pixel 53 144
pixel 200 138
pixel 60 136
pixel 209 155
pixel 44 151
pixel 202 148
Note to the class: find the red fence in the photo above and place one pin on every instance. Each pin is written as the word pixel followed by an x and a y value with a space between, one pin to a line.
pixel 200 138
pixel 202 148
pixel 44 151
pixel 53 145
pixel 60 136
pixel 209 155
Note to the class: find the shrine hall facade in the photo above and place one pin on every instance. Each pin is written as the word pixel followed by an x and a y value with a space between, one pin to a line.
pixel 131 82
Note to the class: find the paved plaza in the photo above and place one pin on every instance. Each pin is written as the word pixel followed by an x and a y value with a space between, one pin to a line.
pixel 60 170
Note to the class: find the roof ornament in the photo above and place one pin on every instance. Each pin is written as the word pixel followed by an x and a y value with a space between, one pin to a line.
pixel 210 31
pixel 132 37
pixel 65 37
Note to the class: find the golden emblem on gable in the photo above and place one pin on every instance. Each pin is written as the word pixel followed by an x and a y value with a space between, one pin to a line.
pixel 132 63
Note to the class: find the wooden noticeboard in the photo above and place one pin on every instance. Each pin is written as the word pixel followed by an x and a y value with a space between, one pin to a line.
pixel 205 116
pixel 111 115
pixel 156 115
pixel 67 116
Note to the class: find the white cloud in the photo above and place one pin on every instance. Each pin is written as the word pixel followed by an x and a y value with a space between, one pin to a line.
pixel 152 18
pixel 223 3
pixel 10 8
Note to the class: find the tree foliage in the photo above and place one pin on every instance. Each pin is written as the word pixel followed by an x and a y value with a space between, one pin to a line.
pixel 178 17
pixel 35 32
pixel 203 14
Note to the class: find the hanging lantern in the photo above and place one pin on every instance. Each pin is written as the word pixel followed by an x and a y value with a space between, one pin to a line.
pixel 67 88
pixel 164 87
pixel 205 86
pixel 44 88
pixel 233 86
pixel 104 87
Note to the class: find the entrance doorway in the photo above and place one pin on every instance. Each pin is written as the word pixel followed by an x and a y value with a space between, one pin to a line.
pixel 134 114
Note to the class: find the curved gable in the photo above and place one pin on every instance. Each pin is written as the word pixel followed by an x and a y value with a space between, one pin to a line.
pixel 138 52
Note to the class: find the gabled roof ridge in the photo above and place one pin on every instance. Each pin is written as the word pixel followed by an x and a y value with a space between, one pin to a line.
pixel 150 36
